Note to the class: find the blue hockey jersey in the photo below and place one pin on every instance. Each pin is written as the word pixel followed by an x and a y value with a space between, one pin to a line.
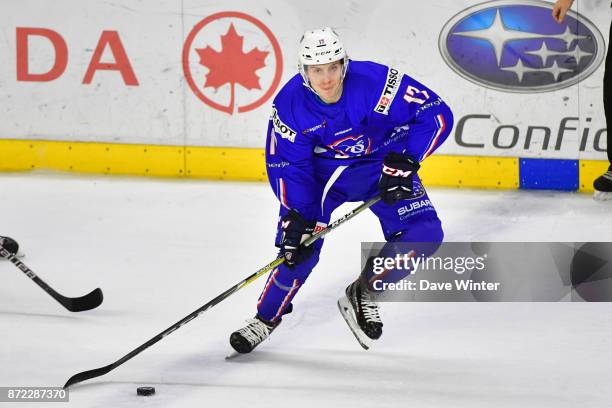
pixel 381 109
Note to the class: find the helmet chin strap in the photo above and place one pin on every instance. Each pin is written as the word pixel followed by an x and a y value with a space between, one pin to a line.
pixel 306 83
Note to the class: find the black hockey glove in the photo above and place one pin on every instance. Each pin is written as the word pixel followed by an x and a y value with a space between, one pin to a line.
pixel 10 245
pixel 395 183
pixel 295 231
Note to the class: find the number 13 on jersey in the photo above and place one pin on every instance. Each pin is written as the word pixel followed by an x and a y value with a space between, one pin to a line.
pixel 411 92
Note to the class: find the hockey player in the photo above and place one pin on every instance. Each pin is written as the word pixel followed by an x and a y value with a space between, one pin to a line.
pixel 343 131
pixel 602 184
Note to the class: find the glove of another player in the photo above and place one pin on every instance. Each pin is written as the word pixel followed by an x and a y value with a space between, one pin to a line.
pixel 395 183
pixel 295 231
pixel 10 245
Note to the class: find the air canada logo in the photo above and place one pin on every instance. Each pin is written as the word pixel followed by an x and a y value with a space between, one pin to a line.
pixel 517 46
pixel 232 62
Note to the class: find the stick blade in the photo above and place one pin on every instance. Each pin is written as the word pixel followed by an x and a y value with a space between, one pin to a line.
pixel 87 302
pixel 86 375
pixel 232 354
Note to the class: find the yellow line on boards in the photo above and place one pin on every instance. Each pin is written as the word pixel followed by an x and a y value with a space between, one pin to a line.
pixel 232 163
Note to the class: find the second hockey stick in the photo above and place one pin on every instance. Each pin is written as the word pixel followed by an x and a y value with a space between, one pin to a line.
pixel 97 372
pixel 75 304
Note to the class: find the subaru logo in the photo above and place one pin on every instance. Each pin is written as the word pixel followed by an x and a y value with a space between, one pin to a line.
pixel 516 46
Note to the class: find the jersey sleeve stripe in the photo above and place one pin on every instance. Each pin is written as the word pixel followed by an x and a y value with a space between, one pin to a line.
pixel 282 194
pixel 272 142
pixel 441 123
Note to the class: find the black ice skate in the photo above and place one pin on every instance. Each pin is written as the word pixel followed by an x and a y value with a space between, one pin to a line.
pixel 603 186
pixel 250 336
pixel 360 312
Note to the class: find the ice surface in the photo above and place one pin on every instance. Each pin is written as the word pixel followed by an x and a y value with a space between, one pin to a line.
pixel 161 248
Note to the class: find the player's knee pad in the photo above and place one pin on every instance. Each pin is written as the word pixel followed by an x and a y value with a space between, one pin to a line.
pixel 418 240
pixel 282 286
pixel 425 230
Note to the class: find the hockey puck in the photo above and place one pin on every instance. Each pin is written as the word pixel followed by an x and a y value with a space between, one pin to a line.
pixel 145 391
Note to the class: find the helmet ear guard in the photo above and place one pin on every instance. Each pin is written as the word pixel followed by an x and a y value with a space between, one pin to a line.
pixel 320 46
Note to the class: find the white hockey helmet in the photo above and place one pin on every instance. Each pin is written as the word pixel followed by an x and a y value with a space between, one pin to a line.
pixel 320 46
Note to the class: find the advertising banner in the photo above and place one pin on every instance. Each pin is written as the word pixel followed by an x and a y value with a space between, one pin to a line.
pixel 204 73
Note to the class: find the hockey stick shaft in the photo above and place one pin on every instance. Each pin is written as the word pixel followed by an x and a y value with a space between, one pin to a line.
pixel 85 375
pixel 78 304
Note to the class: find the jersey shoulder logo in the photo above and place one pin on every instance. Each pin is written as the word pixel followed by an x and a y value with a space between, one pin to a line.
pixel 283 130
pixel 392 83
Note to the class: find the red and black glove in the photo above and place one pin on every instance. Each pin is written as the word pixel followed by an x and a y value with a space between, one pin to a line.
pixel 295 231
pixel 395 182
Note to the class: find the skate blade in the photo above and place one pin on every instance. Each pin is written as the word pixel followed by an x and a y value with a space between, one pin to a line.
pixel 602 196
pixel 344 305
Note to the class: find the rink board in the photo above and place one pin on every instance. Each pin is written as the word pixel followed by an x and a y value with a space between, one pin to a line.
pixel 135 87
pixel 248 164
pixel 130 72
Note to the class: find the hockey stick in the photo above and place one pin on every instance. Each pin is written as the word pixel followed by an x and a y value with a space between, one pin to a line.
pixel 76 304
pixel 97 372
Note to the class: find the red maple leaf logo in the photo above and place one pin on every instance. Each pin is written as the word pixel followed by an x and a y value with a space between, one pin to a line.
pixel 231 65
